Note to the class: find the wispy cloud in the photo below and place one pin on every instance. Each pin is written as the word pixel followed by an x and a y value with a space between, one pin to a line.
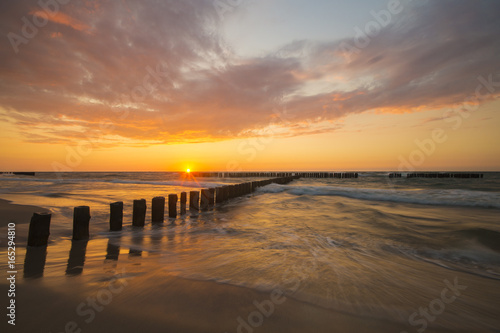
pixel 61 18
pixel 161 72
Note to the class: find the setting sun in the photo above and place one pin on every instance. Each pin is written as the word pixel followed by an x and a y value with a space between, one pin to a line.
pixel 188 170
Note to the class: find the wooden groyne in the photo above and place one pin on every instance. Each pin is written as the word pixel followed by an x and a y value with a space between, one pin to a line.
pixel 202 200
pixel 275 174
pixel 438 175
pixel 18 173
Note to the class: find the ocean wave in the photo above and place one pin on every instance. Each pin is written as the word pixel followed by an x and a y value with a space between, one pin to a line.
pixel 56 195
pixel 71 181
pixel 440 197
pixel 166 183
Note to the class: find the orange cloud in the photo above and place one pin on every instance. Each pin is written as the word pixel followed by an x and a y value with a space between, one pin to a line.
pixel 63 19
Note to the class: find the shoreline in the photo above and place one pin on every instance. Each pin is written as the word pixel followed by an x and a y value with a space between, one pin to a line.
pixel 100 286
pixel 19 214
pixel 135 294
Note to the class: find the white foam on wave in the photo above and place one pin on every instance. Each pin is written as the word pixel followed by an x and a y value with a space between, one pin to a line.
pixel 442 197
pixel 178 183
pixel 166 183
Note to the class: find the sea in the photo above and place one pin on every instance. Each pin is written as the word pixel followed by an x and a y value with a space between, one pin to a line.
pixel 372 246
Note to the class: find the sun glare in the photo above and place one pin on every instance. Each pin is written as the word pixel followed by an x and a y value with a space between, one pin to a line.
pixel 188 170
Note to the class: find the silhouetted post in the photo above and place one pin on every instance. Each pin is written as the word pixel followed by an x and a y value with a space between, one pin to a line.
pixel 232 191
pixel 172 205
pixel 158 210
pixel 219 198
pixel 81 219
pixel 194 200
pixel 205 193
pixel 183 202
pixel 139 213
pixel 211 197
pixel 39 231
pixel 116 216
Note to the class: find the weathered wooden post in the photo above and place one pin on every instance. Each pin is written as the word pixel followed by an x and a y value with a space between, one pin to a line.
pixel 183 202
pixel 157 210
pixel 81 219
pixel 39 230
pixel 172 205
pixel 204 200
pixel 218 195
pixel 194 200
pixel 211 197
pixel 139 213
pixel 116 216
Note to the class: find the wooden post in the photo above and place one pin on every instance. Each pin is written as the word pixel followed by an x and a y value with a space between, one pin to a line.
pixel 211 197
pixel 183 202
pixel 172 205
pixel 157 210
pixel 194 200
pixel 139 213
pixel 81 219
pixel 116 216
pixel 204 200
pixel 218 195
pixel 39 231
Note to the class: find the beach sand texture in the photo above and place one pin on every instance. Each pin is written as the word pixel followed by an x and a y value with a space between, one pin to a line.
pixel 101 287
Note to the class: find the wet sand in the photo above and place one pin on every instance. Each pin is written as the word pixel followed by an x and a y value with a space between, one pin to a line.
pixel 96 286
pixel 135 295
pixel 19 214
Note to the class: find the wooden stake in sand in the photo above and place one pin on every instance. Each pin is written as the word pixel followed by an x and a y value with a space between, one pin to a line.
pixel 39 229
pixel 211 197
pixel 172 205
pixel 204 200
pixel 158 210
pixel 116 216
pixel 194 200
pixel 218 195
pixel 183 202
pixel 81 219
pixel 139 213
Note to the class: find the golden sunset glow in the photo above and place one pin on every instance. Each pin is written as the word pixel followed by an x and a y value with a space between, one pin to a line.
pixel 242 91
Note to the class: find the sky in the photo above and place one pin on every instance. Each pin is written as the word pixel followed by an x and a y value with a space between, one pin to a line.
pixel 231 85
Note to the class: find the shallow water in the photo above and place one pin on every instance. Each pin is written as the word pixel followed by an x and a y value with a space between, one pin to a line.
pixel 370 247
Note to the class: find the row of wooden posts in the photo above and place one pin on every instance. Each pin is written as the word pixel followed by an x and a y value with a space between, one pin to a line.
pixel 205 199
pixel 438 175
pixel 276 174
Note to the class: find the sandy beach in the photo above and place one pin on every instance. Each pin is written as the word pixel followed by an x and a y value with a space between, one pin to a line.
pixel 19 214
pixel 137 295
pixel 98 286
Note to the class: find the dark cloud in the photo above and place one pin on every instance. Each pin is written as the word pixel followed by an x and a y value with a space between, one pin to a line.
pixel 160 72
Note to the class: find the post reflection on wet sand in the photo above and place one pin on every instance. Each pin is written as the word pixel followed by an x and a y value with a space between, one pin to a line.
pixel 76 258
pixel 137 242
pixel 112 254
pixel 112 249
pixel 34 262
pixel 155 240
